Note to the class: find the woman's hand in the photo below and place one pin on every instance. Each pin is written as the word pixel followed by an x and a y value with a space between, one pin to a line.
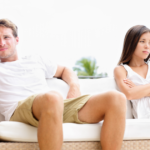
pixel 129 83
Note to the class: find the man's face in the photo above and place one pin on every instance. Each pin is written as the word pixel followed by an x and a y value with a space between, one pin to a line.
pixel 8 45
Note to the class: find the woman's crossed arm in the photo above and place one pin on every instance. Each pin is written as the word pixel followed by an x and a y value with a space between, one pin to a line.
pixel 128 87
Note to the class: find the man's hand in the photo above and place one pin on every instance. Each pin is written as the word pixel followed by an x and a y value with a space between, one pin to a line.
pixel 129 83
pixel 71 79
pixel 74 91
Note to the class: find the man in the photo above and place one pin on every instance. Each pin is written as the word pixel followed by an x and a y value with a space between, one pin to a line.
pixel 25 97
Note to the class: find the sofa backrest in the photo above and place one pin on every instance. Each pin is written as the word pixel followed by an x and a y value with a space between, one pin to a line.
pixel 2 118
pixel 87 86
pixel 93 86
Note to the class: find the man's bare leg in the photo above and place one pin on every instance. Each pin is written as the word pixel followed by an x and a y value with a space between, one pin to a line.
pixel 48 109
pixel 110 106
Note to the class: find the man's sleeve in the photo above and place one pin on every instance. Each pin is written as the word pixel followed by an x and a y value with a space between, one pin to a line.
pixel 50 67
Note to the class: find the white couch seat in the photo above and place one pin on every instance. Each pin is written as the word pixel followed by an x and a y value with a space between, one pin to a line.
pixel 135 129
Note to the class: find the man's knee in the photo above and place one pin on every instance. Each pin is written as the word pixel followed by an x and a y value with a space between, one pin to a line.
pixel 52 99
pixel 50 103
pixel 116 99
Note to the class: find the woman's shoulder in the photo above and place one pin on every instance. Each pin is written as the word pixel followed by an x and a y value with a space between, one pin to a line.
pixel 119 70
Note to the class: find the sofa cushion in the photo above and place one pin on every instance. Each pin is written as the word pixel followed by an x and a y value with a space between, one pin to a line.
pixel 94 86
pixel 88 86
pixel 1 118
pixel 58 85
pixel 16 131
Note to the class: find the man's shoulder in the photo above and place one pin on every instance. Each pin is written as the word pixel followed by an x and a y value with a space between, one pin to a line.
pixel 30 57
pixel 39 59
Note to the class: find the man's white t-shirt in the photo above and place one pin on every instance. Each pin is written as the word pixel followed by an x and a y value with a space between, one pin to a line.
pixel 22 78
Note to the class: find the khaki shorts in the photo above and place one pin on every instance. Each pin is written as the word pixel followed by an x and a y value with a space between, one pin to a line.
pixel 23 112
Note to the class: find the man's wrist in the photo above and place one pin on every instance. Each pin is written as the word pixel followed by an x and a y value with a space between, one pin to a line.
pixel 74 84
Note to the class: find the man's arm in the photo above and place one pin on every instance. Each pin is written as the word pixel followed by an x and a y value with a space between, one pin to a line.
pixel 71 79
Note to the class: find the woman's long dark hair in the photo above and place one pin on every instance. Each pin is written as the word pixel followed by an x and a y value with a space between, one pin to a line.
pixel 130 42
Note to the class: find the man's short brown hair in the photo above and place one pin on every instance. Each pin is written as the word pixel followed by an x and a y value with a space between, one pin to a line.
pixel 8 24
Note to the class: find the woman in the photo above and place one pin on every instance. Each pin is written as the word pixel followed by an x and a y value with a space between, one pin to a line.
pixel 132 74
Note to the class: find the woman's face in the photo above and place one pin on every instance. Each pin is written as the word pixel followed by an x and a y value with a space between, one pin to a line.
pixel 143 47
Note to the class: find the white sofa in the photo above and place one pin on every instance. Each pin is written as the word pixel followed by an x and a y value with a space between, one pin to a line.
pixel 77 136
